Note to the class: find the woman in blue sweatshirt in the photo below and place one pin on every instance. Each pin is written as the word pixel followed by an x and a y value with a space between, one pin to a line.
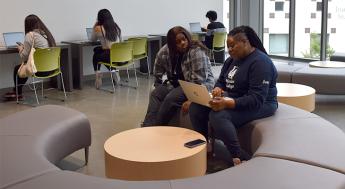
pixel 245 91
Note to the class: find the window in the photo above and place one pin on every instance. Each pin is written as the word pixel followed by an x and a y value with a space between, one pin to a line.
pixel 315 41
pixel 226 14
pixel 313 15
pixel 305 36
pixel 336 27
pixel 271 15
pixel 307 23
pixel 319 6
pixel 279 6
pixel 279 44
pixel 276 31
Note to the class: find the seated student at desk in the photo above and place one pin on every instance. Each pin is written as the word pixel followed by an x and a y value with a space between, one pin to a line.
pixel 107 32
pixel 212 27
pixel 36 33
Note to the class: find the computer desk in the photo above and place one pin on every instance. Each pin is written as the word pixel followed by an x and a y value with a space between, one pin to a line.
pixel 65 61
pixel 154 44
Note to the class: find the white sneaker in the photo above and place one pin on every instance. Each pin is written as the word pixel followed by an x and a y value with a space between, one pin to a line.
pixel 236 161
pixel 98 81
pixel 116 76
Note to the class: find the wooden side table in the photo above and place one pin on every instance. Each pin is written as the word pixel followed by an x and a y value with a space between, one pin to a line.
pixel 154 153
pixel 300 96
pixel 327 64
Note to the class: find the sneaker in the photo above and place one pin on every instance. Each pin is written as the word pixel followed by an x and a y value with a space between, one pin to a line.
pixel 117 76
pixel 236 161
pixel 98 81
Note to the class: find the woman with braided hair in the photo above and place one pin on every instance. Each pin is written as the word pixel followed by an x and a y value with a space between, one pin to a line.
pixel 245 91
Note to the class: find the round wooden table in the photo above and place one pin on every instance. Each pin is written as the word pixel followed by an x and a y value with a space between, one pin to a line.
pixel 300 96
pixel 154 153
pixel 327 64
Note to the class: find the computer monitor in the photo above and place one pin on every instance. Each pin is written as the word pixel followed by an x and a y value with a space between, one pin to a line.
pixel 89 33
pixel 195 27
pixel 11 39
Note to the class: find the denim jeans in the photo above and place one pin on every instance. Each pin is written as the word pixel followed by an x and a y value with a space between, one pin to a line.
pixel 225 122
pixel 164 103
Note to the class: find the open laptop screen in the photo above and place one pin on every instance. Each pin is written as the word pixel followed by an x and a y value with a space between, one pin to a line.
pixel 89 33
pixel 195 27
pixel 11 38
pixel 196 93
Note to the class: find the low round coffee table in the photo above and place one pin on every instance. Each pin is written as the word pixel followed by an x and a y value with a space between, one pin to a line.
pixel 154 153
pixel 300 96
pixel 327 64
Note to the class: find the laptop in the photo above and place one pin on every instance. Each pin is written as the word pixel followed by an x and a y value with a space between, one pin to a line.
pixel 195 27
pixel 11 39
pixel 196 93
pixel 89 33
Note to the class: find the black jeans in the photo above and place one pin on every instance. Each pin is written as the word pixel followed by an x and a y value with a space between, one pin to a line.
pixel 163 105
pixel 100 55
pixel 225 123
pixel 21 81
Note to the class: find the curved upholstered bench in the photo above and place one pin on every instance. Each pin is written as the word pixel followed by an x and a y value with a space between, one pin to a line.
pixel 32 141
pixel 301 137
pixel 292 149
pixel 323 80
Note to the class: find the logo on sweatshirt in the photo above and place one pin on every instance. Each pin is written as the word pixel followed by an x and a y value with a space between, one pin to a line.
pixel 264 82
pixel 230 82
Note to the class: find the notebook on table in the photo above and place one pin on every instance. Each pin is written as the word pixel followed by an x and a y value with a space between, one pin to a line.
pixel 11 39
pixel 196 93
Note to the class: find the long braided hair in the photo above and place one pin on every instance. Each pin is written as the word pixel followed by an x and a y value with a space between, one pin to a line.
pixel 251 35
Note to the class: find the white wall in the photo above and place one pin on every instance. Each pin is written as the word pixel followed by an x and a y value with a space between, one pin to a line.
pixel 67 19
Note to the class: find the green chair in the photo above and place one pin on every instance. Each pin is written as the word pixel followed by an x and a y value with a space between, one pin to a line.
pixel 121 56
pixel 47 62
pixel 140 50
pixel 195 37
pixel 218 44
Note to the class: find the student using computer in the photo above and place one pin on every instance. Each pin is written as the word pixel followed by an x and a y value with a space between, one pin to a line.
pixel 180 59
pixel 107 32
pixel 245 91
pixel 36 33
pixel 213 26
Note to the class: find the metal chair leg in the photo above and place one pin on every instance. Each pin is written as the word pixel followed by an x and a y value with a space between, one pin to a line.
pixel 148 67
pixel 33 82
pixel 42 89
pixel 86 155
pixel 63 86
pixel 127 75
pixel 135 73
pixel 112 80
pixel 17 89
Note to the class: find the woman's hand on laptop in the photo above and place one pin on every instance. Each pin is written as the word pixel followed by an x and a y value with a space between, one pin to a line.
pixel 217 92
pixel 185 106
pixel 221 103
